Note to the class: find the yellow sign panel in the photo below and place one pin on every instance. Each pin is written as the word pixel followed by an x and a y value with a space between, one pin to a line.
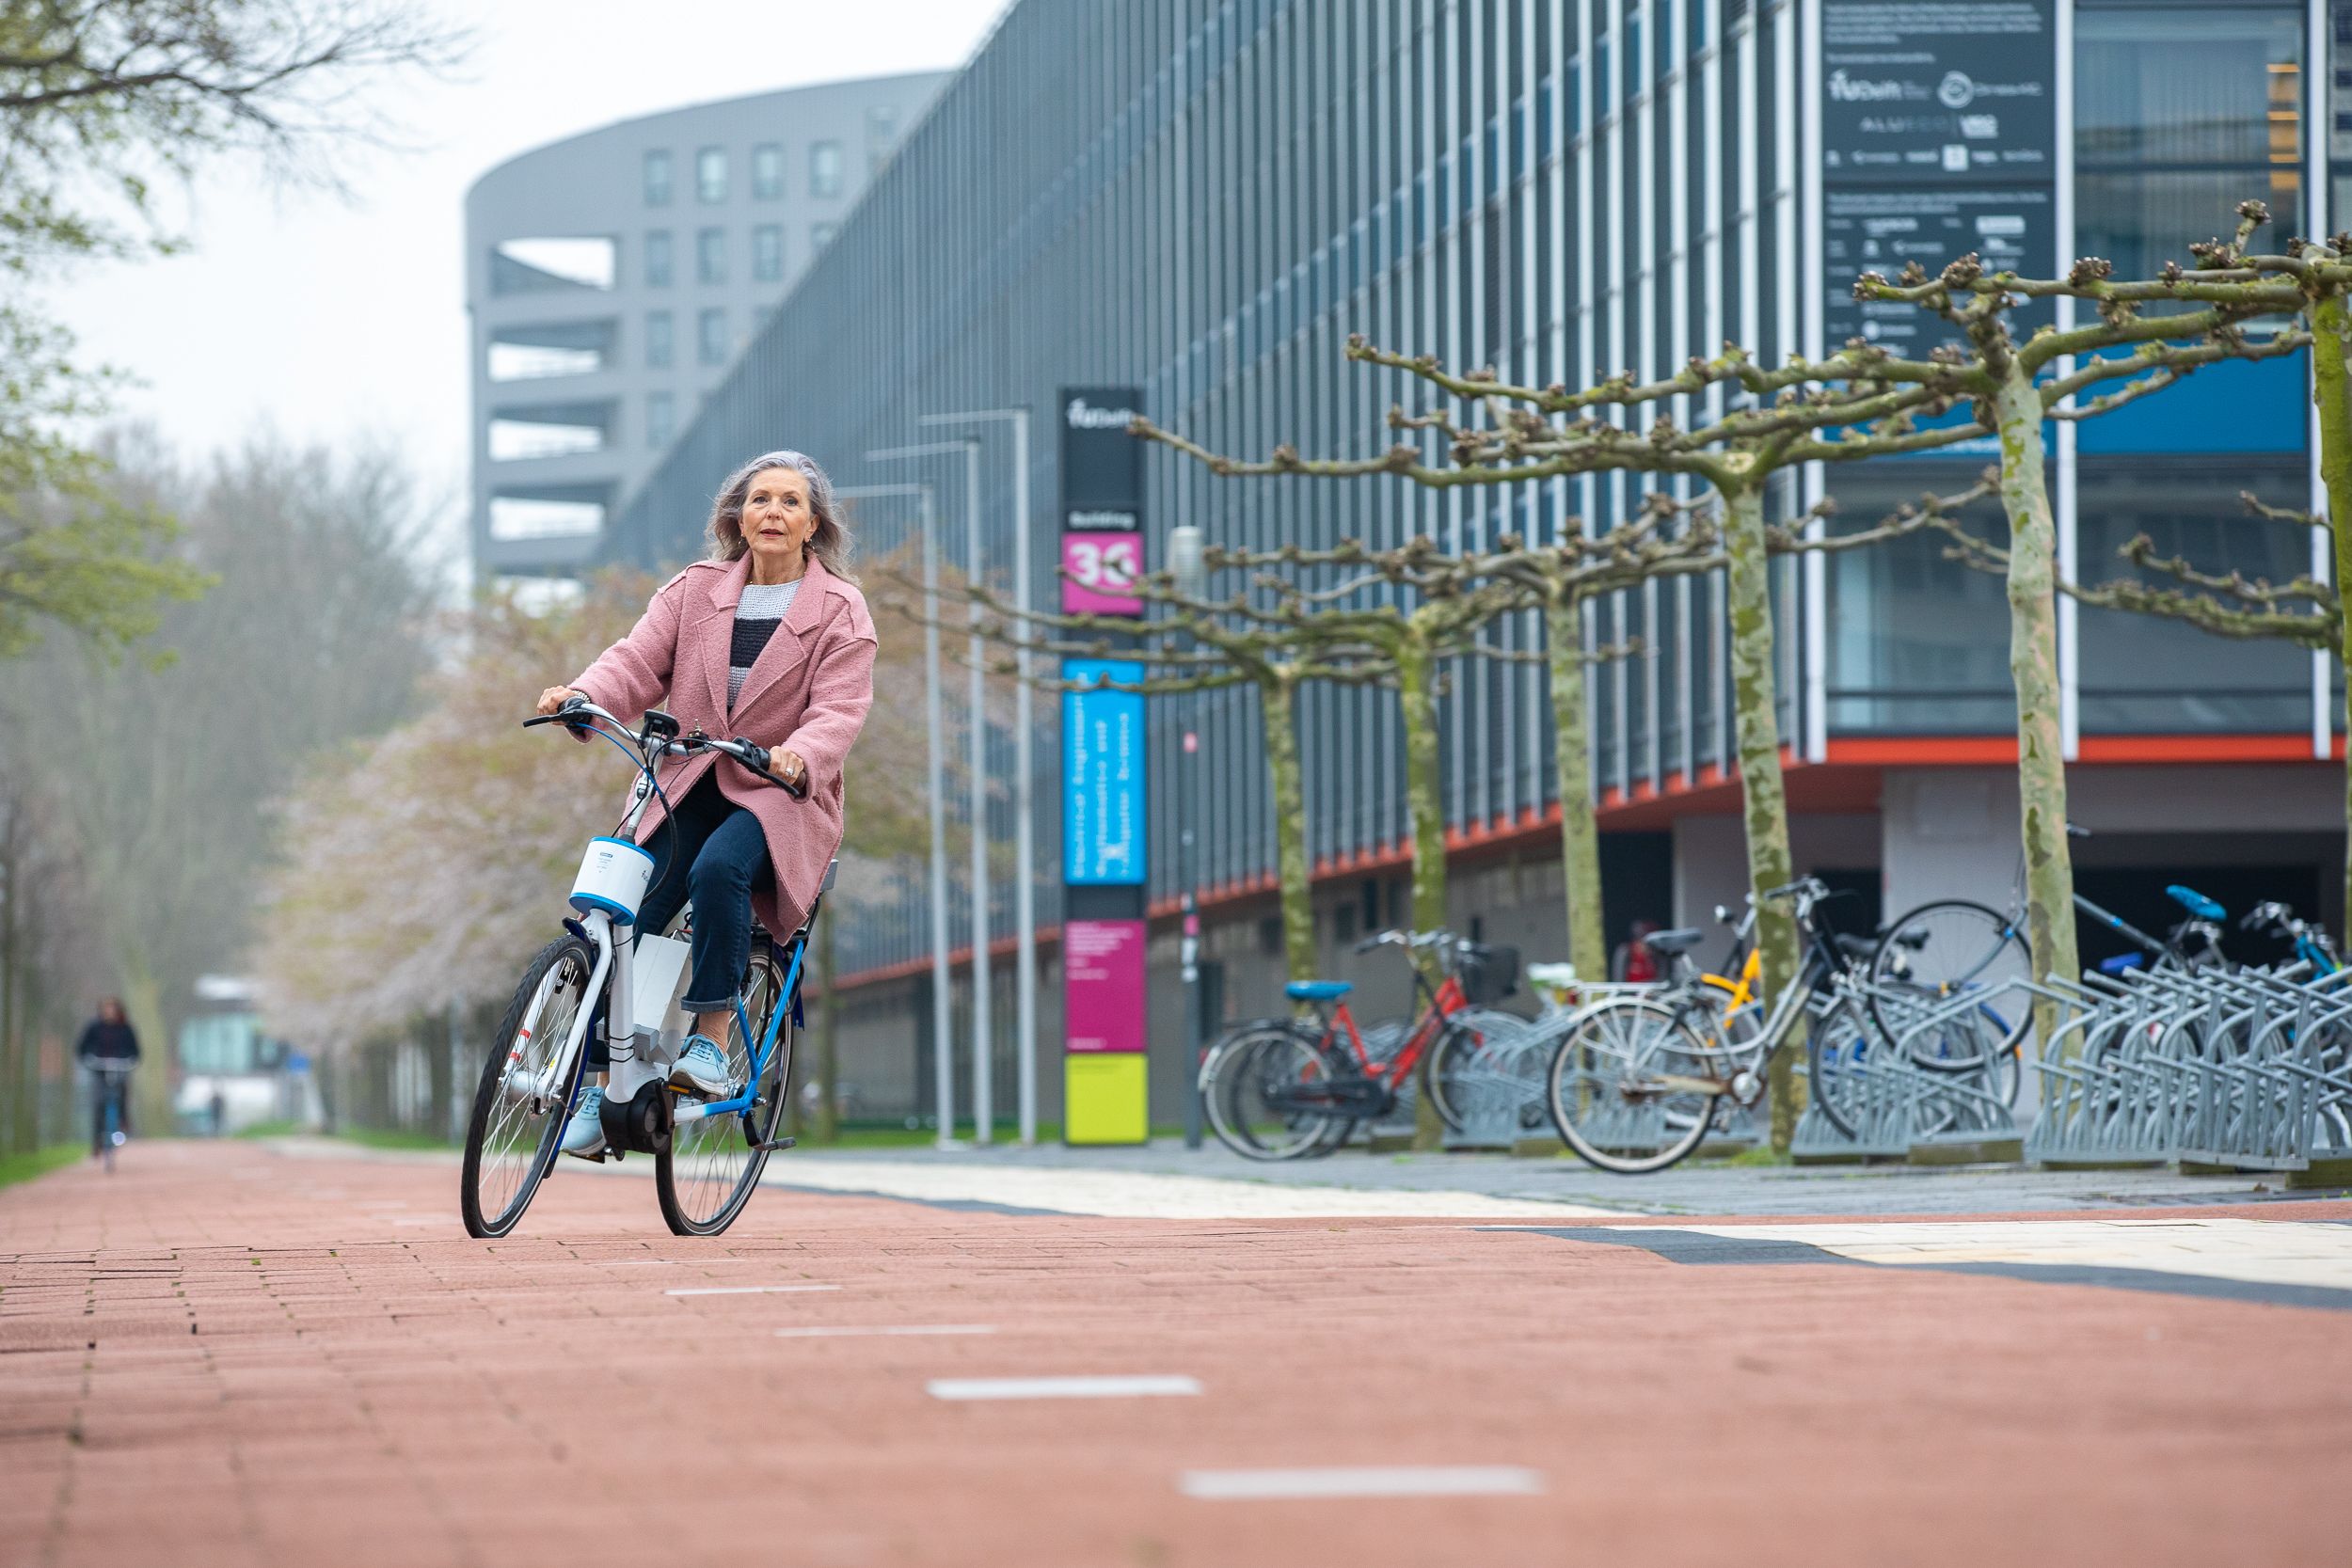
pixel 1107 1098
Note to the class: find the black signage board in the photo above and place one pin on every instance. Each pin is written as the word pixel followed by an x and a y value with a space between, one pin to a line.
pixel 1101 465
pixel 1955 92
pixel 2013 227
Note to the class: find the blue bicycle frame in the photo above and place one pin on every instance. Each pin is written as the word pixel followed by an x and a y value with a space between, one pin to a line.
pixel 787 1001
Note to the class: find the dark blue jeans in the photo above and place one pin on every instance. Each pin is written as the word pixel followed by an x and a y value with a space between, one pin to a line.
pixel 710 850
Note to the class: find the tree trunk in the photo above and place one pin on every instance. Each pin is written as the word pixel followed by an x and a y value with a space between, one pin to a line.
pixel 2033 668
pixel 17 1121
pixel 1424 791
pixel 828 1040
pixel 2331 335
pixel 1572 747
pixel 1276 698
pixel 1755 703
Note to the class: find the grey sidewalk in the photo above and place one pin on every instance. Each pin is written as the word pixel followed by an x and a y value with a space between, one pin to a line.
pixel 1693 1188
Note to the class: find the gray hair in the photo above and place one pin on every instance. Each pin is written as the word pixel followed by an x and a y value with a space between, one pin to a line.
pixel 829 544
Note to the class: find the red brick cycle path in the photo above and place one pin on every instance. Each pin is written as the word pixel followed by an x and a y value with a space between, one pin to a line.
pixel 224 1356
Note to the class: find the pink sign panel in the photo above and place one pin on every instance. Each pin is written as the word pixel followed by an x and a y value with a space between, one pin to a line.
pixel 1102 965
pixel 1096 571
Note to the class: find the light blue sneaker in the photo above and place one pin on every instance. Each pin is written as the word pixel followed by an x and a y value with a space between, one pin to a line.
pixel 583 1134
pixel 702 1067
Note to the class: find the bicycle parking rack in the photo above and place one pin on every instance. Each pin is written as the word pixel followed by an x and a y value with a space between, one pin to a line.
pixel 2245 1070
pixel 1501 1097
pixel 1899 1107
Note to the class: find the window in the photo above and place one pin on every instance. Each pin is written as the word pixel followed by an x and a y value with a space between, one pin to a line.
pixel 2144 675
pixel 712 336
pixel 766 253
pixel 767 172
pixel 881 129
pixel 661 418
pixel 658 179
pixel 546 513
pixel 659 345
pixel 2181 114
pixel 711 176
pixel 658 265
pixel 552 265
pixel 710 256
pixel 549 429
pixel 824 168
pixel 532 351
pixel 820 235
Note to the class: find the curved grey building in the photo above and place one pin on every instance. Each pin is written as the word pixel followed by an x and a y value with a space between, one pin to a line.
pixel 612 278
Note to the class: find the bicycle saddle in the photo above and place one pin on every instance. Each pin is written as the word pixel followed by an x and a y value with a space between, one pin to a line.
pixel 1667 944
pixel 1858 947
pixel 1317 990
pixel 2196 903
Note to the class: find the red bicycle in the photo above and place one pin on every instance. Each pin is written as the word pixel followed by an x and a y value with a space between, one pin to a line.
pixel 1280 1088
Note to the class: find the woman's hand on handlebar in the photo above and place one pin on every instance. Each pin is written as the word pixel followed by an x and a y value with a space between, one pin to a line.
pixel 555 697
pixel 789 767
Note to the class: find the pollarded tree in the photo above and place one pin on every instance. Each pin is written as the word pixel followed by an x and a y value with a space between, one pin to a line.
pixel 2017 387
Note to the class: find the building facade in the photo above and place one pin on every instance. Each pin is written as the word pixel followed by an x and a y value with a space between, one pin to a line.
pixel 1203 198
pixel 613 277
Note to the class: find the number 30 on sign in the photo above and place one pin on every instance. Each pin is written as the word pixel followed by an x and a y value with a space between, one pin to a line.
pixel 1097 569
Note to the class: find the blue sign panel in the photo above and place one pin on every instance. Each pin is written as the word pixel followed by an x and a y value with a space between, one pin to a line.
pixel 1102 748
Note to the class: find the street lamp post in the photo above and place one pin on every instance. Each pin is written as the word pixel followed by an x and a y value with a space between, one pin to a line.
pixel 983 1090
pixel 1024 761
pixel 1190 572
pixel 935 781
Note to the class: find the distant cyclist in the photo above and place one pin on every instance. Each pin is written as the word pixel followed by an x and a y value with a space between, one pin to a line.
pixel 109 1049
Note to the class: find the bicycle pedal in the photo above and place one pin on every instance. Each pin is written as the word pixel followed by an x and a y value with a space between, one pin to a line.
pixel 774 1144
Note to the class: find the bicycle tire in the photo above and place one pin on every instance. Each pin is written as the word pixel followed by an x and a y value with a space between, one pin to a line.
pixel 1234 1082
pixel 1971 943
pixel 711 1166
pixel 1833 1075
pixel 527 1128
pixel 1592 1070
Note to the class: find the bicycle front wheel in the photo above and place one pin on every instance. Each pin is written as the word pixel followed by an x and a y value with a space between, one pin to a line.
pixel 1269 1091
pixel 1633 1086
pixel 1947 948
pixel 519 1113
pixel 705 1176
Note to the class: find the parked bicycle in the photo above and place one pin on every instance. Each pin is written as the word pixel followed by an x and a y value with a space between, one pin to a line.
pixel 1283 1088
pixel 1638 1078
pixel 2312 943
pixel 708 1153
pixel 1948 945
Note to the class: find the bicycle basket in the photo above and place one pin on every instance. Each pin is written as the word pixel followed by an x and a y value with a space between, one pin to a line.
pixel 1488 972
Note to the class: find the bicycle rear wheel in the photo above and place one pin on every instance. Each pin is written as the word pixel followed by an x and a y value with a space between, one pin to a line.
pixel 1609 1092
pixel 1951 945
pixel 1267 1091
pixel 518 1117
pixel 705 1176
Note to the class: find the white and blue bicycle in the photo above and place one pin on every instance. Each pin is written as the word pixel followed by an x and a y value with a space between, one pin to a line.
pixel 594 980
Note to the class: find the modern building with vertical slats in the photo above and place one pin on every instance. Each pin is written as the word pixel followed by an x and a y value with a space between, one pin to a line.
pixel 1203 198
pixel 612 278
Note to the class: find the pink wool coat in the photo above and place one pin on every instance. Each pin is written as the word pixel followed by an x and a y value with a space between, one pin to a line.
pixel 807 693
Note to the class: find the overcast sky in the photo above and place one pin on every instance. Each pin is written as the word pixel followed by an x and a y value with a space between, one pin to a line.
pixel 330 316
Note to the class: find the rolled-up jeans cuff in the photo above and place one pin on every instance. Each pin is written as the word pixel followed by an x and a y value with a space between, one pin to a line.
pixel 724 1005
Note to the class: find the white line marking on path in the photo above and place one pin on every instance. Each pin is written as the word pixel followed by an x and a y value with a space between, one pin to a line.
pixel 884 1328
pixel 1364 1480
pixel 747 1289
pixel 1059 1387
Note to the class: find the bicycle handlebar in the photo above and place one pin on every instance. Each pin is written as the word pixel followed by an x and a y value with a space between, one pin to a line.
pixel 1402 939
pixel 578 713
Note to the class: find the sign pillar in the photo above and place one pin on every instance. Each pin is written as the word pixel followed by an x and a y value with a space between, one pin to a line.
pixel 1105 1067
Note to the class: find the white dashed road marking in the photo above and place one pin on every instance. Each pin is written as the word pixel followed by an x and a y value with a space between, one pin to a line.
pixel 1364 1480
pixel 746 1290
pixel 1059 1387
pixel 884 1328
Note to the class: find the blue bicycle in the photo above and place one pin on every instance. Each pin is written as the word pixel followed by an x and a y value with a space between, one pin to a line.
pixel 112 1078
pixel 2313 946
pixel 602 978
